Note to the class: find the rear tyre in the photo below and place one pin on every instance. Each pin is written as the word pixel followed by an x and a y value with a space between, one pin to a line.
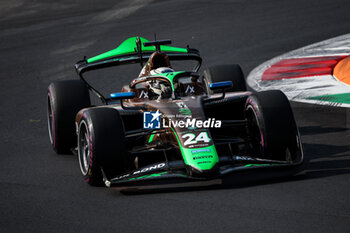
pixel 101 145
pixel 64 100
pixel 271 126
pixel 220 73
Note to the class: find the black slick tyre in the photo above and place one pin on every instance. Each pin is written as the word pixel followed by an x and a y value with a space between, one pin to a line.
pixel 101 145
pixel 220 73
pixel 272 127
pixel 64 100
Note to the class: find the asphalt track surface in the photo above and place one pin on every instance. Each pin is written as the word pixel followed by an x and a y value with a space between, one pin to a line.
pixel 44 192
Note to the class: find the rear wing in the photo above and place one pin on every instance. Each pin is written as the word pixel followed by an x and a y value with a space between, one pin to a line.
pixel 137 50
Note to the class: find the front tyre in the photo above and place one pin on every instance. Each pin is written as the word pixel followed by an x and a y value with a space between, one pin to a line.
pixel 271 126
pixel 64 100
pixel 101 143
pixel 220 73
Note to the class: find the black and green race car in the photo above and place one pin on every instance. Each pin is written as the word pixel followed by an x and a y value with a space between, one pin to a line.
pixel 169 127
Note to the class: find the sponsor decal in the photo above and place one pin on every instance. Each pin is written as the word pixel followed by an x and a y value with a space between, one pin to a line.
pixel 150 168
pixel 242 158
pixel 201 151
pixel 189 89
pixel 151 120
pixel 183 109
pixel 191 138
pixel 204 162
pixel 143 170
pixel 203 157
pixel 192 123
pixel 143 94
pixel 181 104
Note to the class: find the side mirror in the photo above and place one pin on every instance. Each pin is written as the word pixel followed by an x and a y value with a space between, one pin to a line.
pixel 220 85
pixel 126 95
pixel 122 95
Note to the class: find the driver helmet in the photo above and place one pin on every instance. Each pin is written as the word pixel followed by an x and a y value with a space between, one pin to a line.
pixel 160 89
pixel 161 70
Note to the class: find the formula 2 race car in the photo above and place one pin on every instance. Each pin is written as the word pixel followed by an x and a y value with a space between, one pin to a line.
pixel 170 127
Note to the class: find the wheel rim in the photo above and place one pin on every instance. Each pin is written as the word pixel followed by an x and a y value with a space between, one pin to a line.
pixel 84 149
pixel 50 120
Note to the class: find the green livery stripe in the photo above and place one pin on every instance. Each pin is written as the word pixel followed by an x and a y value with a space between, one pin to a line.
pixel 256 165
pixel 343 98
pixel 149 175
pixel 129 46
pixel 170 76
pixel 201 160
pixel 151 138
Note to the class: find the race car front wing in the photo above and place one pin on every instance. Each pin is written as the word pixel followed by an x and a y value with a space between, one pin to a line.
pixel 167 175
